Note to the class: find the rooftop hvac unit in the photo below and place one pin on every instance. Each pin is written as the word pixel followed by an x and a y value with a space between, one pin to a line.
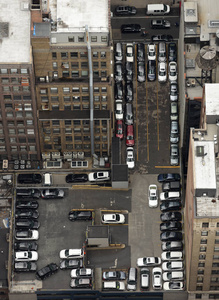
pixel 67 155
pixel 56 155
pixel 81 155
pixel 75 155
pixel 5 164
pixel 46 155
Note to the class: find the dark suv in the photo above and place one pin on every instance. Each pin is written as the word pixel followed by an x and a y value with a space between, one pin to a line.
pixel 27 224
pixel 125 10
pixel 29 178
pixel 129 28
pixel 172 52
pixel 28 193
pixel 76 178
pixel 47 271
pixel 80 215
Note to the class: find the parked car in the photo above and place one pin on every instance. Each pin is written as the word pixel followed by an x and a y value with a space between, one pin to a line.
pixel 172 52
pixel 27 235
pixel 168 177
pixel 113 219
pixel 118 90
pixel 113 285
pixel 27 204
pixel 99 176
pixel 140 52
pixel 129 117
pixel 173 286
pixel 174 116
pixel 119 110
pixel 151 51
pixel 114 275
pixel 152 196
pixel 132 279
pixel 171 186
pixel 172 255
pixel 130 159
pixel 174 127
pixel 80 215
pixel 170 205
pixel 171 236
pixel 172 246
pixel 173 92
pixel 160 24
pixel 71 253
pixel 172 266
pixel 171 226
pixel 81 272
pixel 52 193
pixel 71 264
pixel 26 256
pixel 171 216
pixel 151 70
pixel 119 129
pixel 129 91
pixel 157 278
pixel 162 72
pixel 125 10
pixel 47 271
pixel 144 279
pixel 27 193
pixel 71 178
pixel 118 52
pixel 162 56
pixel 25 266
pixel 129 71
pixel 172 71
pixel 29 178
pixel 130 28
pixel 25 246
pixel 174 155
pixel 26 214
pixel 118 72
pixel 148 261
pixel 26 224
pixel 161 37
pixel 170 276
pixel 130 135
pixel 141 71
pixel 129 52
pixel 82 283
pixel 170 196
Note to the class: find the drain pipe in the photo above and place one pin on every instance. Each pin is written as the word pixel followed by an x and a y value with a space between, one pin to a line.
pixel 91 90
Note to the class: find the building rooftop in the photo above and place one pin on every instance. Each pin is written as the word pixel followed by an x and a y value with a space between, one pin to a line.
pixel 212 99
pixel 190 12
pixel 15 32
pixel 207 206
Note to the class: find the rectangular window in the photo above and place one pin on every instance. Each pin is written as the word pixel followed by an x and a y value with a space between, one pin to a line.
pixel 201 272
pixel 84 64
pixel 56 130
pixel 216 248
pixel 55 107
pixel 14 148
pixel 96 98
pixel 95 64
pixel 6 88
pixel 85 89
pixel 83 54
pixel 205 224
pixel 217 241
pixel 22 140
pixel 76 99
pixel 64 55
pixel 66 90
pixel 103 64
pixel 71 39
pixel 96 74
pixel 65 74
pixel 11 131
pixel 27 106
pixel 74 74
pixel 68 130
pixel 19 114
pixel 14 80
pixel 14 71
pixel 103 74
pixel 5 80
pixel 75 65
pixel 203 249
pixel 54 55
pixel 96 89
pixel 8 105
pixel 93 39
pixel 29 122
pixel 104 89
pixel 68 138
pixel 74 54
pixel 9 114
pixel 32 148
pixel 104 39
pixel 202 256
pixel 217 233
pixel 27 98
pixel 55 122
pixel 67 99
pixel 75 89
pixel 76 106
pixel 23 148
pixel 54 65
pixel 24 71
pixel 67 107
pixel 84 73
pixel 54 90
pixel 85 98
pixel 102 54
pixel 67 122
pixel 81 39
pixel 204 233
pixel 21 131
pixel 30 131
pixel 4 71
pixel 215 256
pixel 77 122
pixel 55 99
pixel 95 54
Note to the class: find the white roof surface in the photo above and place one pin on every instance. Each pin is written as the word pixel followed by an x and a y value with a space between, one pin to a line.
pixel 16 47
pixel 75 14
pixel 212 99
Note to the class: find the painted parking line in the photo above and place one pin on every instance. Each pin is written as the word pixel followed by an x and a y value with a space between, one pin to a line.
pixel 147 133
pixel 168 167
pixel 136 108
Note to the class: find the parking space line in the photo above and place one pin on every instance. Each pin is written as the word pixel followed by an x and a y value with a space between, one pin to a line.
pixel 146 81
pixel 158 138
pixel 136 110
pixel 168 167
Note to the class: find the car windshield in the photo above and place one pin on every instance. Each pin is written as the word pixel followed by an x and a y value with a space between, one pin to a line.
pixel 151 53
pixel 129 137
pixel 162 73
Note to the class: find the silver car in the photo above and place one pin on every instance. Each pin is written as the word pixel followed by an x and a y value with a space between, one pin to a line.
pixel 174 155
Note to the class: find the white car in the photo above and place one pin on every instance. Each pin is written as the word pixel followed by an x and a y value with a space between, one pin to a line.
pixel 157 278
pixel 162 72
pixel 172 71
pixel 129 53
pixel 172 266
pixel 151 51
pixel 170 276
pixel 83 272
pixel 172 255
pixel 71 253
pixel 148 261
pixel 130 160
pixel 113 219
pixel 169 196
pixel 99 176
pixel 27 235
pixel 26 256
pixel 119 110
pixel 173 286
pixel 152 196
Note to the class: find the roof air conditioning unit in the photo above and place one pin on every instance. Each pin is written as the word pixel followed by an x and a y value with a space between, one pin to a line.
pixel 67 155
pixel 56 155
pixel 81 155
pixel 5 164
pixel 75 155
pixel 46 155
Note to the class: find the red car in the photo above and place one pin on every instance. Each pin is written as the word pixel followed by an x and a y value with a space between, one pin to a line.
pixel 130 135
pixel 119 129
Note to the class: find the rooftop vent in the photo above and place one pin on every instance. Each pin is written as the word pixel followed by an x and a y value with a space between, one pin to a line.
pixel 4 29
pixel 190 12
pixel 213 23
pixel 200 151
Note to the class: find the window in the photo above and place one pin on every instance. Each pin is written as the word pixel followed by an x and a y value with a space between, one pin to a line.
pixel 77 129
pixel 14 148
pixel 215 265
pixel 43 91
pixel 23 148
pixel 103 64
pixel 54 55
pixel 22 140
pixel 8 105
pixel 76 106
pixel 77 138
pixel 216 249
pixel 21 131
pixel 31 140
pixel 55 122
pixel 217 241
pixel 104 98
pixel 85 98
pixel 74 74
pixel 85 89
pixel 217 233
pixel 76 98
pixel 93 39
pixel 97 98
pixel 84 64
pixel 83 54
pixel 104 39
pixel 71 39
pixel 81 39
pixel 5 80
pixel 30 131
pixel 206 225
pixel 68 130
pixel 27 106
pixel 2 148
pixel 75 89
pixel 68 138
pixel 54 90
pixel 29 122
pixel 64 55
pixel 198 296
pixel 32 148
pixel 74 54
pixel 54 98
pixel 95 64
pixel 9 114
pixel 56 130
pixel 27 98
pixel 198 288
pixel 11 131
pixel 65 74
pixel 203 249
pixel 202 256
pixel 4 71
pixel 24 71
pixel 204 233
pixel 67 107
pixel 75 65
pixel 77 122
pixel 200 279
pixel 55 107
pixel 85 106
pixel 12 140
pixel 26 88
pixel 218 224
pixel 201 272
pixel 103 74
pixel 8 97
pixel 215 256
pixel 6 88
pixel 67 122
pixel 96 74
pixel 67 99
pixel 84 73
pixel 95 54
pixel 66 90
pixel 96 89
pixel 54 65
pixel 104 89
pixel 214 272
pixel 102 54
pixel 19 114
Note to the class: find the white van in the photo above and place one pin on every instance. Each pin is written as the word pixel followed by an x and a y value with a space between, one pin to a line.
pixel 172 255
pixel 47 179
pixel 157 9
pixel 114 285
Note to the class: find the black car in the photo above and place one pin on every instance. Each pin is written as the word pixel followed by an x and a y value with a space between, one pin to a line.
pixel 168 177
pixel 172 52
pixel 171 186
pixel 171 216
pixel 172 246
pixel 129 91
pixel 118 91
pixel 26 213
pixel 140 52
pixel 141 72
pixel 129 71
pixel 80 215
pixel 25 246
pixel 171 236
pixel 160 24
pixel 28 193
pixel 52 193
pixel 47 271
pixel 114 275
pixel 162 37
pixel 125 10
pixel 70 178
pixel 25 266
pixel 151 70
pixel 130 28
pixel 170 205
pixel 118 72
pixel 29 178
pixel 27 204
pixel 26 224
pixel 171 226
pixel 71 264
